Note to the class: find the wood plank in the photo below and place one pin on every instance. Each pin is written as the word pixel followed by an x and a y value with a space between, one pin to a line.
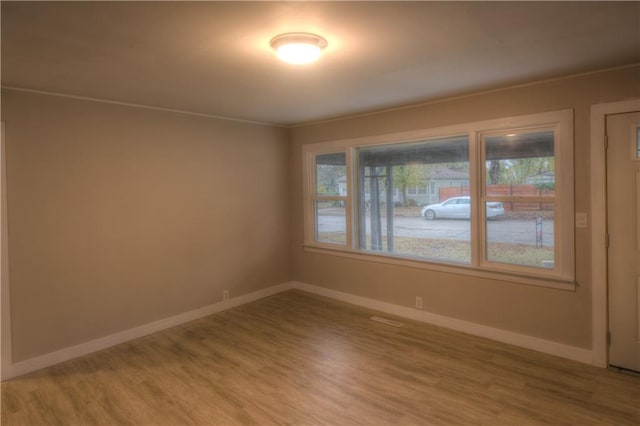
pixel 297 358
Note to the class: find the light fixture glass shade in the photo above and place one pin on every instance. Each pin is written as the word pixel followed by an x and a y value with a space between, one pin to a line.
pixel 298 48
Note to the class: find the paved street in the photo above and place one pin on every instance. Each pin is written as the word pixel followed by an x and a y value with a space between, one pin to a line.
pixel 499 230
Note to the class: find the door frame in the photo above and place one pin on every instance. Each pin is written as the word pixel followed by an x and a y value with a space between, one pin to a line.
pixel 5 302
pixel 598 184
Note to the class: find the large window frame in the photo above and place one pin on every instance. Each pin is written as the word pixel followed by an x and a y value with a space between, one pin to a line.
pixel 312 198
pixel 561 275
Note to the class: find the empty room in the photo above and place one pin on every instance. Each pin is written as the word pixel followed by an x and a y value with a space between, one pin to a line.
pixel 320 213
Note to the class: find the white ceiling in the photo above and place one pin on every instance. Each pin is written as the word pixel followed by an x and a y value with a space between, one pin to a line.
pixel 214 57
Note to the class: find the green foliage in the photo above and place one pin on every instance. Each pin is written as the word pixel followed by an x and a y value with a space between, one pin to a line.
pixel 519 170
pixel 545 186
pixel 327 177
pixel 494 172
pixel 407 176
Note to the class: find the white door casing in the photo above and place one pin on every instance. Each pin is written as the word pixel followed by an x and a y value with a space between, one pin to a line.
pixel 623 225
pixel 5 311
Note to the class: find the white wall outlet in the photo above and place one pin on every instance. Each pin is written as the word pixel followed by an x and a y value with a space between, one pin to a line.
pixel 418 302
pixel 581 220
pixel 225 295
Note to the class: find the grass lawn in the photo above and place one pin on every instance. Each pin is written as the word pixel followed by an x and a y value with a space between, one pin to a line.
pixel 459 251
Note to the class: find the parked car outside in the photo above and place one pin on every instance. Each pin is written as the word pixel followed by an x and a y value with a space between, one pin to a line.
pixel 459 208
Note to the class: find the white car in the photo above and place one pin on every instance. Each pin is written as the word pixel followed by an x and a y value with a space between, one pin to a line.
pixel 459 208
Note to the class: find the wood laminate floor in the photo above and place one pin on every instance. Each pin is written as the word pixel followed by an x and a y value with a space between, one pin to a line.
pixel 300 359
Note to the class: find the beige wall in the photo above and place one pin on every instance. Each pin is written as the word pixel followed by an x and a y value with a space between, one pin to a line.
pixel 121 216
pixel 546 313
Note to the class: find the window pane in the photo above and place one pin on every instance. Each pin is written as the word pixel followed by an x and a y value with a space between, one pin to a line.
pixel 331 174
pixel 525 237
pixel 399 183
pixel 638 141
pixel 520 164
pixel 331 224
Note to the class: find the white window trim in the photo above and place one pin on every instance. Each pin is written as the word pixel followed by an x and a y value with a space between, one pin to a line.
pixel 310 197
pixel 564 236
pixel 561 277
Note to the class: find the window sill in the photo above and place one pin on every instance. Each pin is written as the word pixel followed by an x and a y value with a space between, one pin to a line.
pixel 458 269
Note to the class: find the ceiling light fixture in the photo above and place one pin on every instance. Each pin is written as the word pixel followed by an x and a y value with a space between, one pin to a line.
pixel 298 48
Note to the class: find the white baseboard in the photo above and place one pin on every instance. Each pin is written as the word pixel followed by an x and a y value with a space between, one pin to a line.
pixel 46 360
pixel 517 339
pixel 541 345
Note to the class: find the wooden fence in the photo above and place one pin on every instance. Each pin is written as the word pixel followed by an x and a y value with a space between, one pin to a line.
pixel 503 191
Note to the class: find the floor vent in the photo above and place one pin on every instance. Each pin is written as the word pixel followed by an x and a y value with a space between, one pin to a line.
pixel 387 321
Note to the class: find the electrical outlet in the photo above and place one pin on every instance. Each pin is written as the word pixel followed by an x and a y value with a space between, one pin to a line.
pixel 225 295
pixel 418 302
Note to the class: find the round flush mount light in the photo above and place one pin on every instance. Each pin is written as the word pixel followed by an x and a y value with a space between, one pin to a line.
pixel 298 48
